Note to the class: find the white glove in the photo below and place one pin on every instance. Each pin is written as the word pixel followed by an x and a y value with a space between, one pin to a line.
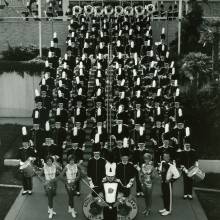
pixel 128 185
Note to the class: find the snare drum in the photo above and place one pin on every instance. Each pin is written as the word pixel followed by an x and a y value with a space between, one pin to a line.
pixel 195 173
pixel 27 169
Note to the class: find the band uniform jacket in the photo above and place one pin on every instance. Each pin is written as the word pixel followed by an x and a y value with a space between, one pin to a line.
pixel 96 170
pixel 49 150
pixel 79 115
pixel 79 137
pixel 188 158
pixel 168 171
pixel 110 190
pixel 25 153
pixel 125 172
pixel 59 136
pixel 120 135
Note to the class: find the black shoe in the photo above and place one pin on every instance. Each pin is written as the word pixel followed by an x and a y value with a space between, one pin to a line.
pixel 29 192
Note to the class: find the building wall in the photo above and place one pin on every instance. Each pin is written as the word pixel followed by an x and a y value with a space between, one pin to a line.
pixel 26 33
pixel 17 94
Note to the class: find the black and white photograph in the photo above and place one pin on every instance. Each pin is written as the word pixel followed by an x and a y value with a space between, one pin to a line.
pixel 109 109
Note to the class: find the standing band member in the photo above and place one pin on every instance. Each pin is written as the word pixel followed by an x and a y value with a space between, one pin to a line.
pixel 110 191
pixel 169 173
pixel 125 172
pixel 188 159
pixel 147 173
pixel 25 152
pixel 72 172
pixel 96 169
pixel 50 170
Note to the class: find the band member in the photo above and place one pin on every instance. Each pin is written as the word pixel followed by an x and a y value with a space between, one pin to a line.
pixel 169 174
pixel 125 172
pixel 77 153
pixel 49 148
pixel 138 160
pixel 110 191
pixel 25 152
pixel 147 173
pixel 78 135
pixel 188 159
pixel 72 173
pixel 50 171
pixel 96 169
pixel 37 140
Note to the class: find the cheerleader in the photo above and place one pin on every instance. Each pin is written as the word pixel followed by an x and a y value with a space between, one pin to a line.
pixel 72 173
pixel 50 171
pixel 147 173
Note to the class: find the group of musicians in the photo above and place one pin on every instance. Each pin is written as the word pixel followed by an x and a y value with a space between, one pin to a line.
pixel 115 77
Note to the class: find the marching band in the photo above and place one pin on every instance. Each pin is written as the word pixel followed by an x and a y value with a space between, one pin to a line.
pixel 115 91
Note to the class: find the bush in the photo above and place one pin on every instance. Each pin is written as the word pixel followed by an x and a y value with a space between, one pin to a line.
pixel 201 110
pixel 196 68
pixel 21 53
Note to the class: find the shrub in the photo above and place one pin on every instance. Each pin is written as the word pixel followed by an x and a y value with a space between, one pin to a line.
pixel 21 53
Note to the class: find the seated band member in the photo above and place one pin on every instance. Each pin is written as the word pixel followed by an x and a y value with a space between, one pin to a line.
pixel 147 173
pixel 169 174
pixel 125 172
pixel 72 173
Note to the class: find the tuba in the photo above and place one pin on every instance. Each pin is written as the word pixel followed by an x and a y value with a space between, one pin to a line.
pixel 129 11
pixel 119 10
pixel 98 11
pixel 77 10
pixel 150 8
pixel 139 10
pixel 108 10
pixel 88 10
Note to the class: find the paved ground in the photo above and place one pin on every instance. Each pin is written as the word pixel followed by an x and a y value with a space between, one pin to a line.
pixel 35 207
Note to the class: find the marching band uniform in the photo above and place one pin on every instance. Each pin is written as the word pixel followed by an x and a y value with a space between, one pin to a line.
pixel 110 189
pixel 125 172
pixel 138 160
pixel 50 171
pixel 24 154
pixel 96 168
pixel 169 173
pixel 72 173
pixel 147 173
pixel 188 158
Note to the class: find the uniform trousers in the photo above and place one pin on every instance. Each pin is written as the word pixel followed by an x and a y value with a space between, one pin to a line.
pixel 26 182
pixel 187 184
pixel 167 195
pixel 110 214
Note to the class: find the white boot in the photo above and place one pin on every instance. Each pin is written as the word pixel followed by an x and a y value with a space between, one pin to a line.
pixel 50 213
pixel 73 213
pixel 70 209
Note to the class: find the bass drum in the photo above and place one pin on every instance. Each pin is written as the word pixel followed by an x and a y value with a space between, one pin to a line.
pixel 91 209
pixel 127 210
